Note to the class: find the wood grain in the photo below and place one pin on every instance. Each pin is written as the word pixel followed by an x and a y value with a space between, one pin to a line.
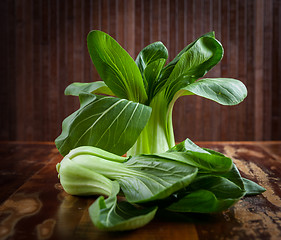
pixel 33 204
pixel 43 46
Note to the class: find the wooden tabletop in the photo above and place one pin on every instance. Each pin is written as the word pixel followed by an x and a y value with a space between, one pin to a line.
pixel 33 204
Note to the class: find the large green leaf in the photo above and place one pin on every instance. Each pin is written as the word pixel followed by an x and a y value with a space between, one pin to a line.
pixel 108 214
pixel 170 66
pixel 193 64
pixel 206 160
pixel 205 52
pixel 98 87
pixel 225 91
pixel 142 178
pixel 154 178
pixel 116 67
pixel 202 201
pixel 208 193
pixel 109 123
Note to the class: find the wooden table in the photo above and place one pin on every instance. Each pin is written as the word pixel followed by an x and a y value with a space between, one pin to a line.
pixel 34 206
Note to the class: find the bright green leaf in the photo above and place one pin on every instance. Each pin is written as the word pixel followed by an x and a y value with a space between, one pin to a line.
pixel 155 178
pixel 205 159
pixel 225 91
pixel 193 64
pixel 151 53
pixel 109 215
pixel 116 67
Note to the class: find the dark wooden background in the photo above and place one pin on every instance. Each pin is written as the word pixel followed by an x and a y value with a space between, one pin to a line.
pixel 43 49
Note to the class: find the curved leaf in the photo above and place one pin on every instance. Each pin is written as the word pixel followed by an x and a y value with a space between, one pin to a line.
pixel 252 188
pixel 187 145
pixel 80 181
pixel 154 178
pixel 202 201
pixel 108 123
pixel 208 193
pixel 170 66
pixel 107 214
pixel 116 67
pixel 193 54
pixel 142 178
pixel 225 91
pixel 150 61
pixel 150 76
pixel 98 87
pixel 205 159
pixel 193 64
pixel 151 53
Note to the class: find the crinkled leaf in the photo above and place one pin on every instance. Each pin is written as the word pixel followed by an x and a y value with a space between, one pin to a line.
pixel 116 67
pixel 225 91
pixel 206 160
pixel 98 87
pixel 187 145
pixel 109 215
pixel 108 123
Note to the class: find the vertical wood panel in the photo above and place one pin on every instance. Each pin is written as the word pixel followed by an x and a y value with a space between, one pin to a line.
pixel 44 49
pixel 267 69
pixel 259 103
pixel 276 73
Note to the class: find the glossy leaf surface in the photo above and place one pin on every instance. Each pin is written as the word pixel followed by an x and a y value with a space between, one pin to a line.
pixel 108 214
pixel 109 123
pixel 116 67
pixel 225 91
pixel 154 178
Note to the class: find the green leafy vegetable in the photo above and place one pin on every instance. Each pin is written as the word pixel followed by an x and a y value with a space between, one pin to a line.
pixel 106 122
pixel 152 181
pixel 142 178
pixel 147 83
pixel 113 216
pixel 136 118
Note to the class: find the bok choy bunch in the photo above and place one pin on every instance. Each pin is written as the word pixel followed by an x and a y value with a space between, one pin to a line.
pixel 131 109
pixel 186 178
